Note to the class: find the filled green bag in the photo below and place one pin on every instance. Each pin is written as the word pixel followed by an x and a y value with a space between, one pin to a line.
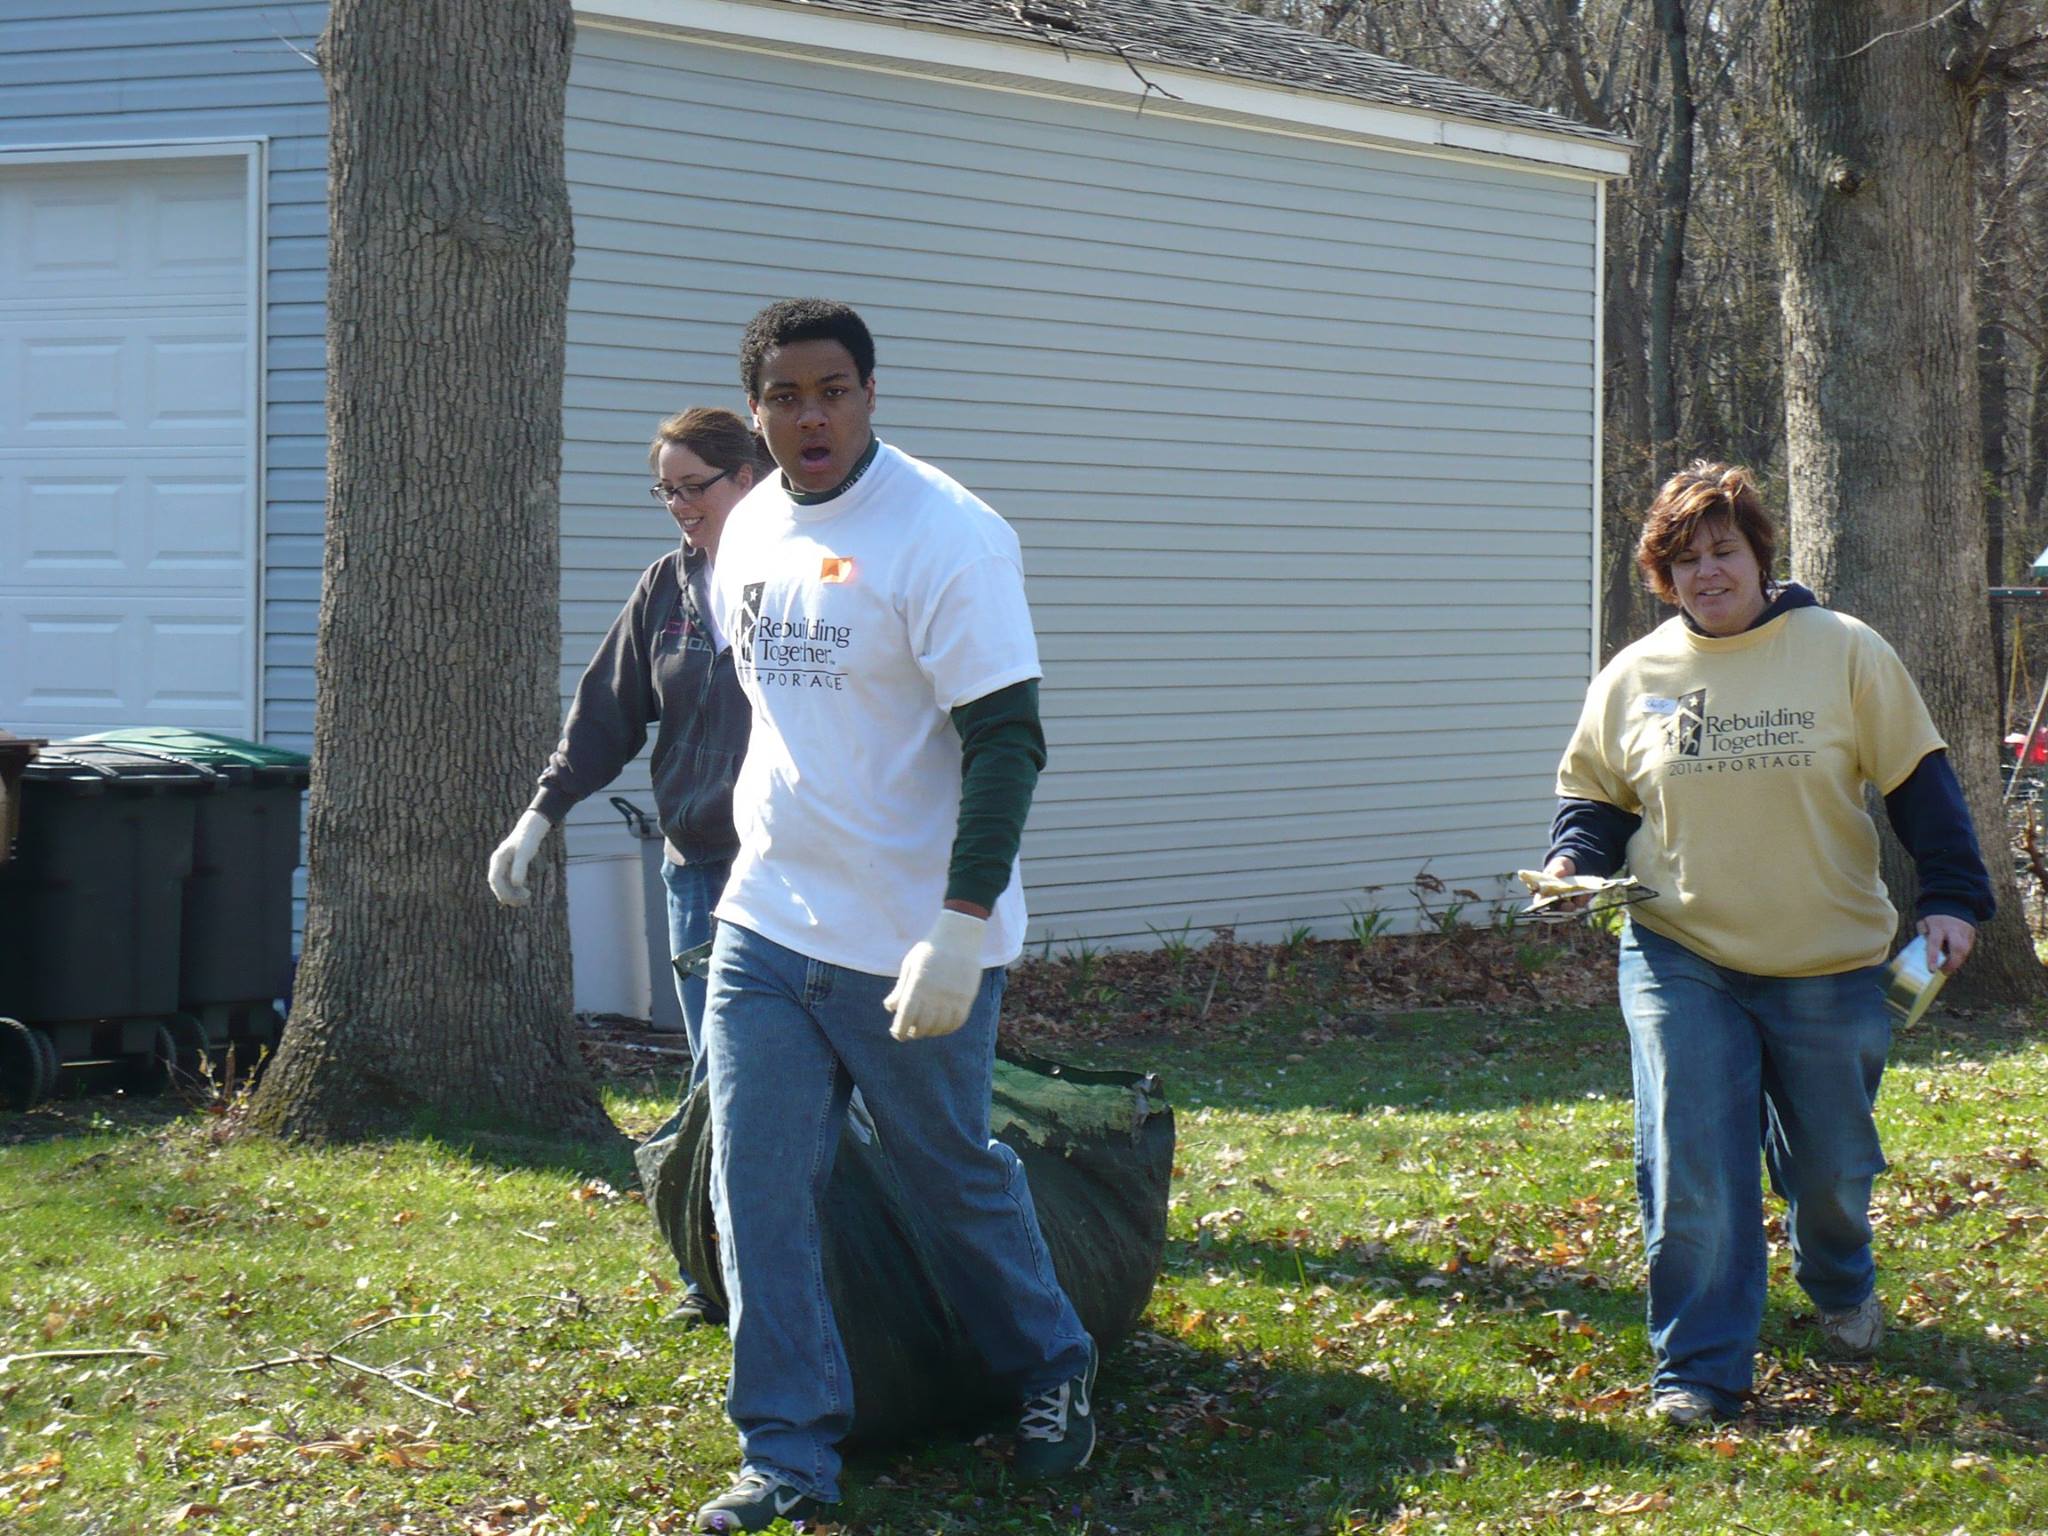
pixel 1098 1150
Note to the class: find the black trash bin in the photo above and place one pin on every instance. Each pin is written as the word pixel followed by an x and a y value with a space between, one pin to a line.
pixel 15 754
pixel 236 947
pixel 93 904
pixel 28 1061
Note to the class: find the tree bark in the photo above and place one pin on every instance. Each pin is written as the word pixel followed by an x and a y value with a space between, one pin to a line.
pixel 1626 468
pixel 419 998
pixel 1884 451
pixel 1993 363
pixel 1674 201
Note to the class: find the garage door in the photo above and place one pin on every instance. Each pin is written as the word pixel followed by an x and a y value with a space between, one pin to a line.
pixel 127 425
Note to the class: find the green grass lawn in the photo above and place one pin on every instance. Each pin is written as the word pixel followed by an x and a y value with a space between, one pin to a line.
pixel 1402 1294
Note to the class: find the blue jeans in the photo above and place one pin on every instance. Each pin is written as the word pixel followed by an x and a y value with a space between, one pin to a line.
pixel 1725 1062
pixel 788 1038
pixel 693 890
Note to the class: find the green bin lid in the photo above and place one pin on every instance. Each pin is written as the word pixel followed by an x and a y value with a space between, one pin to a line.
pixel 205 747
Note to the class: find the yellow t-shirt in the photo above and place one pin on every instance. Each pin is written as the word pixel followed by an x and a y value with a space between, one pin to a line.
pixel 1746 757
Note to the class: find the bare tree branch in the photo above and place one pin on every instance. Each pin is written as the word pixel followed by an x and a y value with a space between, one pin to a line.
pixel 80 1354
pixel 1919 26
pixel 331 1355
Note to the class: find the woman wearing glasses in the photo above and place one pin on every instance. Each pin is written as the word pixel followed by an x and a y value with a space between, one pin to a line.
pixel 660 664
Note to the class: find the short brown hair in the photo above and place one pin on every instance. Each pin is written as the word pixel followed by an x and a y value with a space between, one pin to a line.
pixel 719 437
pixel 1702 492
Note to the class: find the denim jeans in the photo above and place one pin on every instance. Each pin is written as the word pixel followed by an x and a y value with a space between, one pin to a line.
pixel 693 890
pixel 1725 1063
pixel 788 1038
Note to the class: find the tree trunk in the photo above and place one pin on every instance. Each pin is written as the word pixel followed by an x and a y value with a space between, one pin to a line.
pixel 1884 454
pixel 1993 366
pixel 1674 201
pixel 419 998
pixel 1625 463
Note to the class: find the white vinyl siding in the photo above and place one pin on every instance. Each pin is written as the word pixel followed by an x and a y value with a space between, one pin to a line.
pixel 1298 437
pixel 123 72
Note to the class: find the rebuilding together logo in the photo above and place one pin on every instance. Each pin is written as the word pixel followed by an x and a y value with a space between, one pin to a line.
pixel 1700 742
pixel 791 653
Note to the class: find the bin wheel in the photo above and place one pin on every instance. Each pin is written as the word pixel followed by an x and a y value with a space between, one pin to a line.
pixel 21 1066
pixel 150 1070
pixel 53 1064
pixel 187 1068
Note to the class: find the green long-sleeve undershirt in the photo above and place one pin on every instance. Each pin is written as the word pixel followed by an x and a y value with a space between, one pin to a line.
pixel 1002 749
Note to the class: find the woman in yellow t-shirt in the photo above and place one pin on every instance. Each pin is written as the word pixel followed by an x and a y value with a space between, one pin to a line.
pixel 1723 759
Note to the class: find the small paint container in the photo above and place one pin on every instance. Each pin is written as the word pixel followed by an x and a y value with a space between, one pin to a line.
pixel 1912 981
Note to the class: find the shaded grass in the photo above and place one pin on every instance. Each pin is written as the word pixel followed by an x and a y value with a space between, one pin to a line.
pixel 1402 1294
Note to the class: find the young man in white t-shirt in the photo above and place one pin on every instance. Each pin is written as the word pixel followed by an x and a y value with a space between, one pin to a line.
pixel 876 613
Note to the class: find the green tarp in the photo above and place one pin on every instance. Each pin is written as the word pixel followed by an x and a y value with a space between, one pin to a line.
pixel 1098 1149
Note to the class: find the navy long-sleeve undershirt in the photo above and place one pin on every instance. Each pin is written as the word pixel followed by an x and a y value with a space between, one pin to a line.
pixel 1927 812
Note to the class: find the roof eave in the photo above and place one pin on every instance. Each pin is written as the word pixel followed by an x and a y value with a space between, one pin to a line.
pixel 900 44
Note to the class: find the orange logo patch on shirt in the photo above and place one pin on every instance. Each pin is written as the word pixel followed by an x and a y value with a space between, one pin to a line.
pixel 835 568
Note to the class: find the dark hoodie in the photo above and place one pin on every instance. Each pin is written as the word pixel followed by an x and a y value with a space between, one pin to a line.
pixel 659 664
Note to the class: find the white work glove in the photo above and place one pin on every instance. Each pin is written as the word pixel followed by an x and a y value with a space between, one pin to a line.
pixel 940 978
pixel 514 856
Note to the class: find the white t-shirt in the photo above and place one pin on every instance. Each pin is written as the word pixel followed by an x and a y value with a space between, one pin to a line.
pixel 858 625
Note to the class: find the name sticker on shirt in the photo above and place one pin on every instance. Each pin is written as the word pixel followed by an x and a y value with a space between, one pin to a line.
pixel 835 568
pixel 1657 704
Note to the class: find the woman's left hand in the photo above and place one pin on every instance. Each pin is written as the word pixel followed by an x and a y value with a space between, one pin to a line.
pixel 1949 937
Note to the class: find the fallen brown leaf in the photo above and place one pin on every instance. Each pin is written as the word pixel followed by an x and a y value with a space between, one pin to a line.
pixel 243 1441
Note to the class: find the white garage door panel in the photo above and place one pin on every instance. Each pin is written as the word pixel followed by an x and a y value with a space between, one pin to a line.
pixel 172 529
pixel 167 383
pixel 162 228
pixel 88 665
pixel 128 543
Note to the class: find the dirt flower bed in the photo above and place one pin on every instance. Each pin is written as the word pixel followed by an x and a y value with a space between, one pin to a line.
pixel 1310 990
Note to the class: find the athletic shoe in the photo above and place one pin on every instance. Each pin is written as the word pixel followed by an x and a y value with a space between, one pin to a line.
pixel 756 1501
pixel 1857 1331
pixel 1056 1435
pixel 696 1310
pixel 1682 1406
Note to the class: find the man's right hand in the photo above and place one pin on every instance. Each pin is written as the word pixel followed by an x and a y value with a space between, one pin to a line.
pixel 514 856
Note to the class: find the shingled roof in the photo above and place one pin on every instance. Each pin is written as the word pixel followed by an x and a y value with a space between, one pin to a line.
pixel 1218 39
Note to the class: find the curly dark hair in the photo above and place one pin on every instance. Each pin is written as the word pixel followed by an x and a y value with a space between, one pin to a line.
pixel 804 320
pixel 1702 492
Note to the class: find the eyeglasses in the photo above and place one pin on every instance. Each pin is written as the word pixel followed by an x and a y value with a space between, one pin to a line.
pixel 665 493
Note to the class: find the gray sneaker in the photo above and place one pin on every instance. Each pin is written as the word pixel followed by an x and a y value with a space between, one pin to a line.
pixel 756 1501
pixel 1681 1406
pixel 1857 1331
pixel 1057 1432
pixel 696 1310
